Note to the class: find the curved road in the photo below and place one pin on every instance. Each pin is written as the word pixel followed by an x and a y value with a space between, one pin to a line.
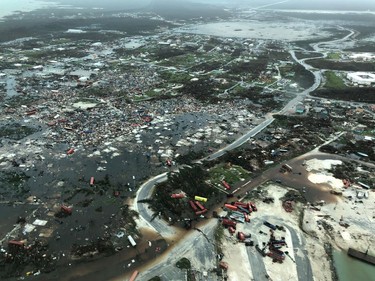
pixel 145 190
pixel 165 230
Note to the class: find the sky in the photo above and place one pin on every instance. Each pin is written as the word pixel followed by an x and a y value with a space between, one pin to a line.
pixel 350 5
pixel 8 6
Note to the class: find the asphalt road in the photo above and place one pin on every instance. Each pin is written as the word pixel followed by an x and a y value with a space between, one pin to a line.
pixel 145 214
pixel 197 246
pixel 303 266
pixel 203 249
pixel 241 140
pixel 256 262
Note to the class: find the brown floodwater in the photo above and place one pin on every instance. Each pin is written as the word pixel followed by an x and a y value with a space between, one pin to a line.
pixel 106 268
pixel 298 179
pixel 144 256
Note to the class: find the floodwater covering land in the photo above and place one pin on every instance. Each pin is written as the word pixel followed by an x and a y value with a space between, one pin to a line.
pixel 98 105
pixel 286 31
pixel 351 269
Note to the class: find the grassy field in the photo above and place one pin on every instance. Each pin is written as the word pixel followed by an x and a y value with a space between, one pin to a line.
pixel 333 81
pixel 230 173
pixel 334 56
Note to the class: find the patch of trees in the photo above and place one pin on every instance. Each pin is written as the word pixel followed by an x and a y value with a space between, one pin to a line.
pixel 43 26
pixel 207 66
pixel 294 195
pixel 254 94
pixel 252 68
pixel 241 158
pixel 302 76
pixel 306 122
pixel 344 171
pixel 167 52
pixel 342 66
pixel 202 89
pixel 192 181
pixel 350 94
pixel 278 54
pixel 369 47
pixel 189 157
pixel 349 147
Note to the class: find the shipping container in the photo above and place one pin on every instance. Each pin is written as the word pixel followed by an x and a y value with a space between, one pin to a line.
pixel 199 198
pixel 226 185
pixel 200 206
pixel 231 207
pixel 193 206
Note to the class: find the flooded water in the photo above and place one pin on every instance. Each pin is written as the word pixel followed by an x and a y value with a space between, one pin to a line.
pixel 11 87
pixel 290 31
pixel 349 269
pixel 298 180
pixel 9 7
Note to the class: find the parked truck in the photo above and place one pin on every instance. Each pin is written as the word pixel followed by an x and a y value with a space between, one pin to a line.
pixel 228 222
pixel 270 225
pixel 276 254
pixel 287 168
pixel 252 206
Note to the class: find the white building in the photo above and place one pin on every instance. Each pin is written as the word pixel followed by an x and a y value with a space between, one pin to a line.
pixel 362 78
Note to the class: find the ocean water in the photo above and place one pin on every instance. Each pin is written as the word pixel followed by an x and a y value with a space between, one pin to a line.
pixel 350 269
pixel 8 7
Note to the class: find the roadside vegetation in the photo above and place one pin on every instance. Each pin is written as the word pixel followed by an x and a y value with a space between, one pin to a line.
pixel 219 236
pixel 190 181
pixel 342 66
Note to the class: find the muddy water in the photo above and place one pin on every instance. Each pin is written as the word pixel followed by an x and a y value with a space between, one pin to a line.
pixel 106 268
pixel 120 265
pixel 10 214
pixel 11 87
pixel 298 180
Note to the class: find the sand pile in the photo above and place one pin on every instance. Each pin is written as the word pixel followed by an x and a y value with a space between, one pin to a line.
pixel 319 172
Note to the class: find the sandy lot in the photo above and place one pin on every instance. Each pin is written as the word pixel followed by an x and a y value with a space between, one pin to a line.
pixel 345 223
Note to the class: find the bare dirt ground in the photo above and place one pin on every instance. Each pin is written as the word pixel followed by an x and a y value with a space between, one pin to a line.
pixel 347 222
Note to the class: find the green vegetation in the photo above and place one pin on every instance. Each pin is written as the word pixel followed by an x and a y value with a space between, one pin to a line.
pixel 333 81
pixel 348 94
pixel 334 56
pixel 191 156
pixel 342 66
pixel 250 69
pixel 175 77
pixel 230 173
pixel 219 235
pixel 181 60
pixel 192 181
pixel 183 263
pixel 370 133
pixel 294 195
